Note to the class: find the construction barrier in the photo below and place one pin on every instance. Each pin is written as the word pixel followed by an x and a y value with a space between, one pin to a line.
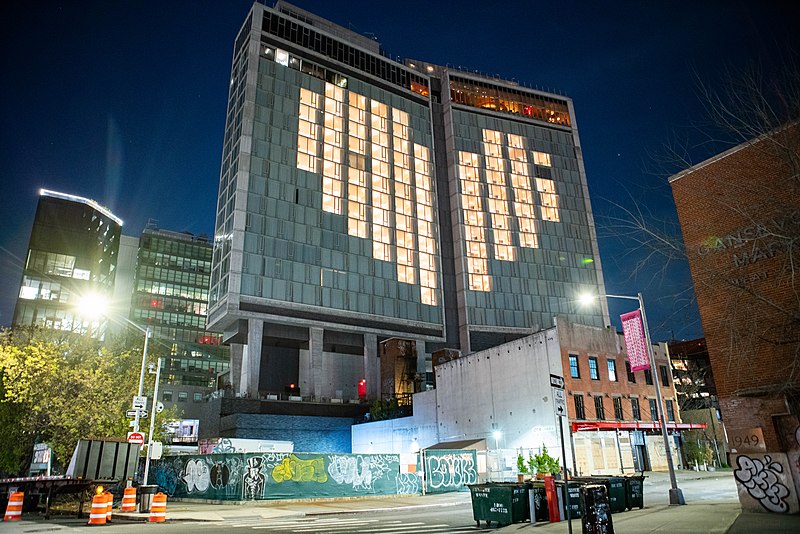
pixel 99 513
pixel 109 506
pixel 158 510
pixel 14 508
pixel 129 500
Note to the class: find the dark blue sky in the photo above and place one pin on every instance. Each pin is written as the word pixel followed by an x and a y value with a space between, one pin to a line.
pixel 124 102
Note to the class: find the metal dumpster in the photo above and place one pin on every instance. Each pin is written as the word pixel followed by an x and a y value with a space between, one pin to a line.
pixel 634 491
pixel 575 507
pixel 500 503
pixel 539 511
pixel 616 489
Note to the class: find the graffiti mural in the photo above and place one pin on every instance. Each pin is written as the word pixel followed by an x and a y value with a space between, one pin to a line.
pixel 293 468
pixel 256 476
pixel 408 483
pixel 761 477
pixel 449 470
pixel 359 470
pixel 196 475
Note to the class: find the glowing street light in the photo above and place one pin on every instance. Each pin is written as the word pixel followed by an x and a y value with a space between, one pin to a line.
pixel 93 306
pixel 497 434
pixel 675 494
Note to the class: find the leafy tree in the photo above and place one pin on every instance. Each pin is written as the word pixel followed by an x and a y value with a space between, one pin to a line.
pixel 58 388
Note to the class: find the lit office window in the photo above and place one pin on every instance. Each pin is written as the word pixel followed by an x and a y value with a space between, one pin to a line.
pixel 549 199
pixel 308 131
pixel 426 239
pixel 472 210
pixel 498 197
pixel 523 195
pixel 541 158
pixel 333 149
pixel 403 199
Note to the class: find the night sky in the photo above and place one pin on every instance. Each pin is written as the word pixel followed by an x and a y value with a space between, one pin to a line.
pixel 124 102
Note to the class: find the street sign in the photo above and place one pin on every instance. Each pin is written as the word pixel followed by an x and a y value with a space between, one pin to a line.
pixel 557 381
pixel 137 438
pixel 560 402
pixel 132 413
pixel 139 402
pixel 159 407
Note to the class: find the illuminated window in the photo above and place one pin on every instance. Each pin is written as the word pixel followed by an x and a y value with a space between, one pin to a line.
pixel 541 158
pixel 549 199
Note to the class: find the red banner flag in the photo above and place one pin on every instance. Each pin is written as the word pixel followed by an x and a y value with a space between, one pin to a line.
pixel 635 341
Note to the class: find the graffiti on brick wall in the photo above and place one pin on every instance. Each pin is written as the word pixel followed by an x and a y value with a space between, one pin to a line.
pixel 450 470
pixel 408 483
pixel 358 470
pixel 761 480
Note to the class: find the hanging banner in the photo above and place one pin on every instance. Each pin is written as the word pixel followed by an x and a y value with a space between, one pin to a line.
pixel 635 342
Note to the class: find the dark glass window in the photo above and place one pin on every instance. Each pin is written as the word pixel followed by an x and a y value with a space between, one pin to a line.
pixel 618 409
pixel 664 375
pixel 183 396
pixel 648 377
pixel 670 411
pixel 635 411
pixel 631 376
pixel 166 396
pixel 593 372
pixel 653 410
pixel 612 370
pixel 580 413
pixel 598 408
pixel 574 371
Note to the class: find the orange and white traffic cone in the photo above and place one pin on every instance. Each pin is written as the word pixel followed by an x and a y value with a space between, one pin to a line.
pixel 129 500
pixel 14 508
pixel 98 514
pixel 158 510
pixel 109 506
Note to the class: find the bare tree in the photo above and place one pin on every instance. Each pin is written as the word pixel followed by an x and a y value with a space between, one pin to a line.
pixel 751 269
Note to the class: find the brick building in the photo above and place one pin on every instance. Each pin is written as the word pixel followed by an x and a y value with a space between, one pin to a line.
pixel 740 216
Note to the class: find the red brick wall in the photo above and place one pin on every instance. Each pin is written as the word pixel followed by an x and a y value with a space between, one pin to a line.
pixel 735 213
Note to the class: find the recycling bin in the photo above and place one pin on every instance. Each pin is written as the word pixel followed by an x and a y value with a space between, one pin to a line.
pixel 616 489
pixel 634 491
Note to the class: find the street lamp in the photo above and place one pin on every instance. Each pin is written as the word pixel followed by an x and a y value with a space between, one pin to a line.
pixel 154 409
pixel 675 494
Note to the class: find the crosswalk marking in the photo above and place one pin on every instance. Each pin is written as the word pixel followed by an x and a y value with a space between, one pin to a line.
pixel 342 525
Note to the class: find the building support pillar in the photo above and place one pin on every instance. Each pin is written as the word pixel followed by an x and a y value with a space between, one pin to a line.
pixel 235 374
pixel 251 359
pixel 372 369
pixel 315 375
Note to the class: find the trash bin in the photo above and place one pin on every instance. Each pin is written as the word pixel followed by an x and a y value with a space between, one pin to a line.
pixel 539 511
pixel 499 502
pixel 146 497
pixel 616 489
pixel 575 506
pixel 634 491
pixel 597 511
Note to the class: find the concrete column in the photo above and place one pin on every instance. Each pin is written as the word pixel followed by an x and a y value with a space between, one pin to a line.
pixel 236 366
pixel 251 360
pixel 421 357
pixel 372 371
pixel 316 378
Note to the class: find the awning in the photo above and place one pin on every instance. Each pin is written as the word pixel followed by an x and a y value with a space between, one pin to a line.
pixel 582 426
pixel 463 444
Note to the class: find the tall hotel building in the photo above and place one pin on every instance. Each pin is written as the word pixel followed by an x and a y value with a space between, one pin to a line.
pixel 72 255
pixel 362 199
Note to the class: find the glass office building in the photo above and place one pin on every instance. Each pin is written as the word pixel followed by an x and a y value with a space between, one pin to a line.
pixel 72 258
pixel 171 298
pixel 362 199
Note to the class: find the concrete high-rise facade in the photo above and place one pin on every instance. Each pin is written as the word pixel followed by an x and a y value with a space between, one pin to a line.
pixel 363 199
pixel 72 259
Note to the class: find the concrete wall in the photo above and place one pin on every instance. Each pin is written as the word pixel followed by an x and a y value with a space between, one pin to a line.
pixel 505 389
pixel 403 435
pixel 341 373
pixel 308 433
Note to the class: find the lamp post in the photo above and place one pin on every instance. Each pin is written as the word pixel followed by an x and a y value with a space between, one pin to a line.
pixel 675 494
pixel 154 409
